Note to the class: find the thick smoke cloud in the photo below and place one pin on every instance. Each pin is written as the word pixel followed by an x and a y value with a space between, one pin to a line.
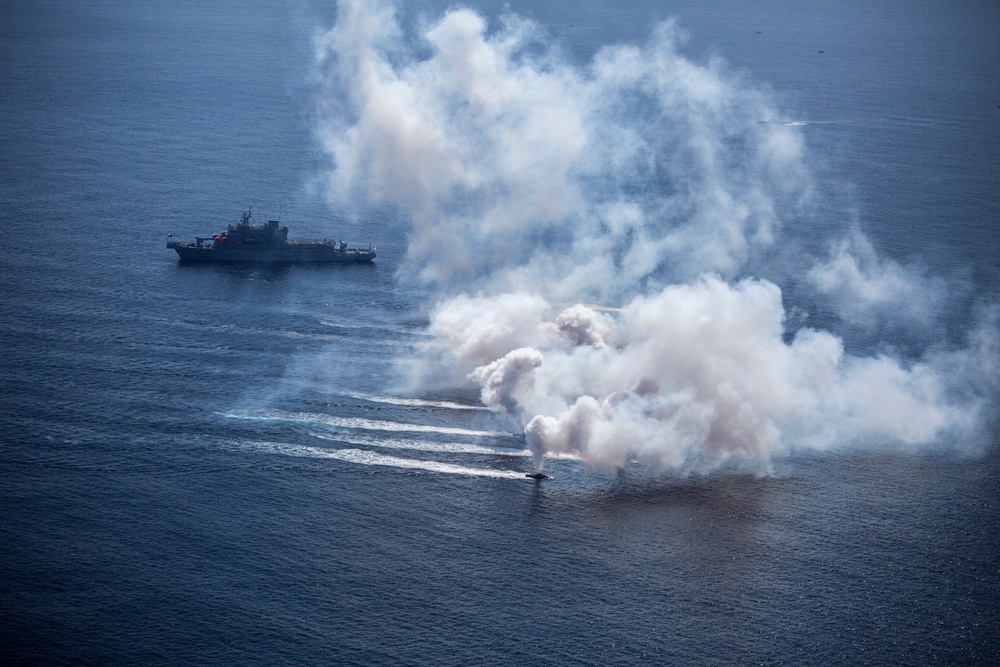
pixel 700 374
pixel 643 181
pixel 520 171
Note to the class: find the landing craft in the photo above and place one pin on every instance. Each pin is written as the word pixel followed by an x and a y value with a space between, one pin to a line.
pixel 267 244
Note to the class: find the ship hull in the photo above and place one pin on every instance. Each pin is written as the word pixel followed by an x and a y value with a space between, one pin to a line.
pixel 289 253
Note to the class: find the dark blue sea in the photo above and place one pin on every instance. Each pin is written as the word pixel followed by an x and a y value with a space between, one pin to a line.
pixel 226 465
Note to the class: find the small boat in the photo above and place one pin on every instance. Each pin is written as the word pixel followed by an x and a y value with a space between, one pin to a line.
pixel 537 475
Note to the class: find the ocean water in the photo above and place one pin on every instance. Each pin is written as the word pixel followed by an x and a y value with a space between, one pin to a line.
pixel 219 465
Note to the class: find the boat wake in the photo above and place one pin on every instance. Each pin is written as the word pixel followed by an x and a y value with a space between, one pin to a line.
pixel 421 446
pixel 413 402
pixel 361 423
pixel 365 457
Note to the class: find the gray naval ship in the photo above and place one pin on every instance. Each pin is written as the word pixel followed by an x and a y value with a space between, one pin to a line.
pixel 266 244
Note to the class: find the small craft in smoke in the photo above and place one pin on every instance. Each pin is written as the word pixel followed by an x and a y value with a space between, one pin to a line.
pixel 644 181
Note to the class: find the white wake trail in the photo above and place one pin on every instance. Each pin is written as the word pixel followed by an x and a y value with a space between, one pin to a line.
pixel 363 457
pixel 413 402
pixel 362 424
pixel 422 446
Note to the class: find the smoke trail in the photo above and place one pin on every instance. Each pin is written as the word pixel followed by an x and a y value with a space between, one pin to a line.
pixel 642 180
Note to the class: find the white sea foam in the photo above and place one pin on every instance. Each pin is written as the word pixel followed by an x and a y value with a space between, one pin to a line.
pixel 364 457
pixel 424 446
pixel 360 423
pixel 412 402
pixel 386 328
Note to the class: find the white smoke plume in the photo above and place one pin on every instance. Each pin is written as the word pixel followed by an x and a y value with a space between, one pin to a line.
pixel 643 181
pixel 866 289
pixel 522 172
pixel 700 374
pixel 503 380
